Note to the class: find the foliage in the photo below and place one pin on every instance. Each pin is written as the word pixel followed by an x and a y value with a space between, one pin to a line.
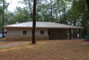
pixel 73 12
pixel 4 4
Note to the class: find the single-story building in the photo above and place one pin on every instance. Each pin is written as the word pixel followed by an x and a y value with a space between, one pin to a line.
pixel 44 31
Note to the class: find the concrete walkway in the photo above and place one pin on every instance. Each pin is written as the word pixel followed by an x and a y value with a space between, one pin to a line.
pixel 12 44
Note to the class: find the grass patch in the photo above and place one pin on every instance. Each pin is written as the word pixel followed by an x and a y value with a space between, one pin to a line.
pixel 3 48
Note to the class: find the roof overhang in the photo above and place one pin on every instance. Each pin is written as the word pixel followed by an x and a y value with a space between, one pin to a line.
pixel 42 28
pixel 41 25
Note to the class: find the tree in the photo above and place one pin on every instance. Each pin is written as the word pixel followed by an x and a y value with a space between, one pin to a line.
pixel 87 3
pixel 2 11
pixel 61 11
pixel 22 15
pixel 3 19
pixel 34 22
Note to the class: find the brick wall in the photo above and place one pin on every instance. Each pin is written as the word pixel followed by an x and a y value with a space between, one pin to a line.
pixel 25 37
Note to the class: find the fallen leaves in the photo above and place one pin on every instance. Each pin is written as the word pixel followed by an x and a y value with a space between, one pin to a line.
pixel 48 50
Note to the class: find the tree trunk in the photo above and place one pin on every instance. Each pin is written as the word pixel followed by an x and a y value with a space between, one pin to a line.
pixel 34 22
pixel 3 19
pixel 51 10
pixel 87 3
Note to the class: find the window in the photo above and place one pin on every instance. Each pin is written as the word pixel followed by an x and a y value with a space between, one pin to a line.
pixel 5 32
pixel 48 33
pixel 42 32
pixel 24 32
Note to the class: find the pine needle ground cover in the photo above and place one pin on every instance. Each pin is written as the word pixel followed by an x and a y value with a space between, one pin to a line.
pixel 47 50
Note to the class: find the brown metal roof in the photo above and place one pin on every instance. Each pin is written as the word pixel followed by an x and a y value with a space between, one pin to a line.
pixel 47 25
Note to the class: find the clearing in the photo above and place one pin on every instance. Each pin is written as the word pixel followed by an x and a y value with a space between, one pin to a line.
pixel 45 50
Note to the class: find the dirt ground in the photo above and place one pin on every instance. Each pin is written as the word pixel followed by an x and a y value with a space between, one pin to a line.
pixel 2 38
pixel 47 50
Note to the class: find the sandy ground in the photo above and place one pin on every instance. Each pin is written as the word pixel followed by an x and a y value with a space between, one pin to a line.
pixel 47 50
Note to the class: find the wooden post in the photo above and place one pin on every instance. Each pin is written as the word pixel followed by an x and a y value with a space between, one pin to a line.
pixel 85 32
pixel 79 34
pixel 69 33
pixel 74 34
pixel 3 19
pixel 34 22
